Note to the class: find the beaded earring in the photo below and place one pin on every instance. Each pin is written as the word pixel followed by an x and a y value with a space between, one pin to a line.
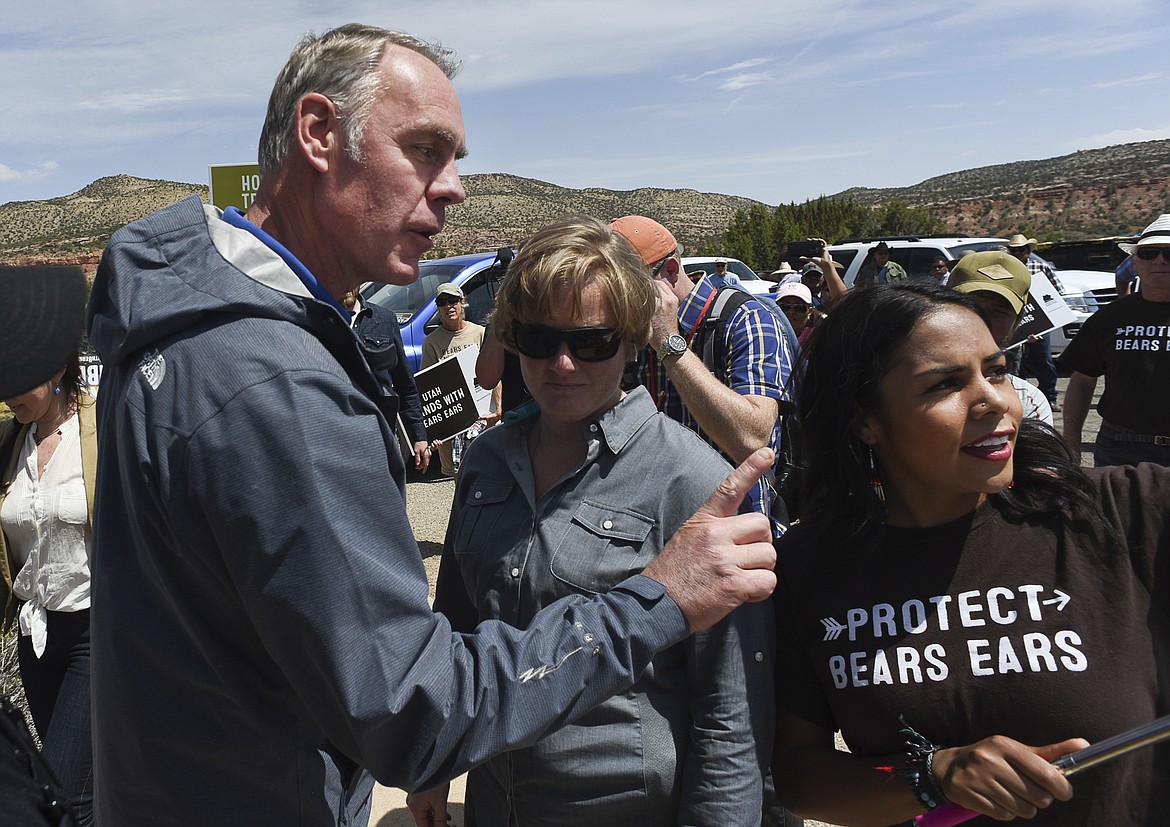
pixel 876 481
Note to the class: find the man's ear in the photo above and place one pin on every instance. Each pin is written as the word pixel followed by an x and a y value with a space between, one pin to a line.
pixel 671 268
pixel 317 130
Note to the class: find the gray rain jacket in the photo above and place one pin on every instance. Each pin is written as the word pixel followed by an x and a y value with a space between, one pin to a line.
pixel 260 623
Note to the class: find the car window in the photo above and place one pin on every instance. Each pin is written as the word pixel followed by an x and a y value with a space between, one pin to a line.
pixel 975 247
pixel 707 265
pixel 744 272
pixel 918 260
pixel 845 257
pixel 479 298
pixel 406 299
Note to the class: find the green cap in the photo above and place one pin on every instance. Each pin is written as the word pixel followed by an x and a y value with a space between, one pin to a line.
pixel 996 272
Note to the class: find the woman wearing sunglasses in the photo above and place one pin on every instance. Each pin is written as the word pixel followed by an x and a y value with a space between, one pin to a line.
pixel 578 491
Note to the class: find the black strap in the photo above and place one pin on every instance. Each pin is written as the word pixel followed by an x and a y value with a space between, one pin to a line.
pixel 708 342
pixel 711 327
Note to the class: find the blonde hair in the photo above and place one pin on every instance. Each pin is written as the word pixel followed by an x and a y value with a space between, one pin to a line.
pixel 570 254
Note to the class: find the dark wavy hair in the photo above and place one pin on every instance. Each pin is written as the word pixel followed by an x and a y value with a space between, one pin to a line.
pixel 838 385
pixel 71 381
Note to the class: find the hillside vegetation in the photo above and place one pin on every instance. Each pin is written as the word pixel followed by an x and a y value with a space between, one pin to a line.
pixel 1097 192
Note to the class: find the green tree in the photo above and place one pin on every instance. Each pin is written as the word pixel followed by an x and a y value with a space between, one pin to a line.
pixel 758 235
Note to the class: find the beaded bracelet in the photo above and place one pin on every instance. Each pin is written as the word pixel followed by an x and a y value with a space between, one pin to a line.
pixel 919 769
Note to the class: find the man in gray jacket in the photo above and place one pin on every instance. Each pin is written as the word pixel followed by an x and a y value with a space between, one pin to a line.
pixel 263 645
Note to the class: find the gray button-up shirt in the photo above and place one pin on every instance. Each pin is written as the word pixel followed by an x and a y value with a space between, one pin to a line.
pixel 689 743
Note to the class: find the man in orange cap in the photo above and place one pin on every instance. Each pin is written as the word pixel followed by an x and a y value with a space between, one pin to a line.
pixel 736 408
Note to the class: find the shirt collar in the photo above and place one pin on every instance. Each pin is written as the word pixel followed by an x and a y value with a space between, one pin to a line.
pixel 233 216
pixel 619 424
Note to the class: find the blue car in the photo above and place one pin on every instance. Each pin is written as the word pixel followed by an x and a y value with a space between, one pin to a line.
pixel 414 304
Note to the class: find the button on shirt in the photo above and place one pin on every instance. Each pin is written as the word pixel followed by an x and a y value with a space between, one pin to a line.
pixel 689 742
pixel 46 525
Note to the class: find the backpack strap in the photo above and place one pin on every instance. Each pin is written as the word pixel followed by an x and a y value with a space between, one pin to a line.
pixel 711 330
pixel 711 333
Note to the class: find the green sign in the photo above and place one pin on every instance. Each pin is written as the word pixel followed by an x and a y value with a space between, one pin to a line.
pixel 233 185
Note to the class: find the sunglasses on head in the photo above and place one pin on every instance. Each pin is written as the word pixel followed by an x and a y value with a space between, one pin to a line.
pixel 445 299
pixel 1151 253
pixel 794 307
pixel 589 344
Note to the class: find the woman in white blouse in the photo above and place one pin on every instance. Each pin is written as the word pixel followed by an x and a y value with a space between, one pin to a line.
pixel 47 457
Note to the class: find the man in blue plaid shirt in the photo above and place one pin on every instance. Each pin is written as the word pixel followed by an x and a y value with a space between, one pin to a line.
pixel 736 409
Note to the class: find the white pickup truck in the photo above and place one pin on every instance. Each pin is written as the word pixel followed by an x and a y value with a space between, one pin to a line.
pixel 1083 290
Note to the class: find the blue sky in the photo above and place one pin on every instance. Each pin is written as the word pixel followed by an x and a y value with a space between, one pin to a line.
pixel 777 100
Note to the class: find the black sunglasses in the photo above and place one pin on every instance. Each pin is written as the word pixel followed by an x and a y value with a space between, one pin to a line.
pixel 589 344
pixel 445 299
pixel 794 308
pixel 1151 253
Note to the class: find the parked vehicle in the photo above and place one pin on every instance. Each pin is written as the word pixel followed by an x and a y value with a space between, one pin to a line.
pixel 1083 290
pixel 914 253
pixel 1086 254
pixel 748 278
pixel 414 304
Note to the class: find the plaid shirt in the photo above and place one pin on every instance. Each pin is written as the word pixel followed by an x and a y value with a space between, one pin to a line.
pixel 756 362
pixel 1036 266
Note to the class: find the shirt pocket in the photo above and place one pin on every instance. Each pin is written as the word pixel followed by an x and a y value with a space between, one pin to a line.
pixel 381 353
pixel 602 546
pixel 479 516
pixel 71 505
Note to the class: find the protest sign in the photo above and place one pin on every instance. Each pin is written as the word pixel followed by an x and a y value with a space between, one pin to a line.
pixel 1045 310
pixel 451 401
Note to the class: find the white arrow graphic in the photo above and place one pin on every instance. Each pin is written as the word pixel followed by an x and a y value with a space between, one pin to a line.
pixel 833 629
pixel 1060 601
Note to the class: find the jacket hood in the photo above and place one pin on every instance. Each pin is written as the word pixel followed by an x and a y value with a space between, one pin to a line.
pixel 153 282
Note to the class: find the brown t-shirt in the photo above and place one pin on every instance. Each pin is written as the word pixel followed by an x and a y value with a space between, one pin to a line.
pixel 982 626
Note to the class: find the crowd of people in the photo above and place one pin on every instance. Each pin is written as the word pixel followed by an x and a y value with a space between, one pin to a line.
pixel 632 623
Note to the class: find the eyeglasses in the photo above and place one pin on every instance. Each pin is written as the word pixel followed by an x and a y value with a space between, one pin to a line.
pixel 938 267
pixel 657 268
pixel 445 299
pixel 589 344
pixel 720 266
pixel 794 307
pixel 1151 253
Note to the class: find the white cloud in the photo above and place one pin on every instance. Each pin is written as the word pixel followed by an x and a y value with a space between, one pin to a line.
pixel 745 80
pixel 1121 136
pixel 735 67
pixel 41 170
pixel 1134 81
pixel 139 100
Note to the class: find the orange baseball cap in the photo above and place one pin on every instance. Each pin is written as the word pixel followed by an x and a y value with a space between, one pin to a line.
pixel 651 240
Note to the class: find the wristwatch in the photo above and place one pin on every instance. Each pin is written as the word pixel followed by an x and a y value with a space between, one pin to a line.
pixel 672 345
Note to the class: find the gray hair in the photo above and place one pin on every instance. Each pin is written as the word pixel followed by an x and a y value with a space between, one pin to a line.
pixel 340 64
